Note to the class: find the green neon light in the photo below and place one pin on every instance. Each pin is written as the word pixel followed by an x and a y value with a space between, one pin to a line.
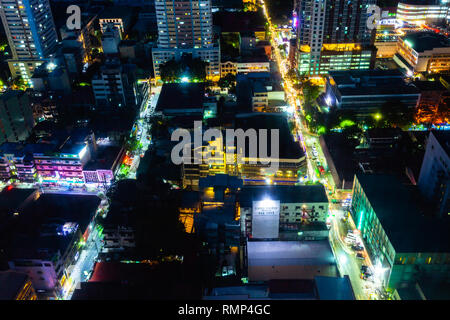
pixel 360 219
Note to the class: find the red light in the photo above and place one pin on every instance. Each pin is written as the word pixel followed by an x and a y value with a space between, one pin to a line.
pixel 8 188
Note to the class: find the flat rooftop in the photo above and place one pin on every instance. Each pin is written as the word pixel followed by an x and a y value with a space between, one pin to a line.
pixel 334 288
pixel 177 96
pixel 443 137
pixel 421 2
pixel 286 194
pixel 289 253
pixel 116 12
pixel 13 198
pixel 11 284
pixel 288 148
pixel 426 40
pixel 370 82
pixel 104 158
pixel 407 228
pixel 341 154
pixel 34 232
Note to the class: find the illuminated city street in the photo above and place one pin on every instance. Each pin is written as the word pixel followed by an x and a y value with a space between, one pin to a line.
pixel 345 256
pixel 214 150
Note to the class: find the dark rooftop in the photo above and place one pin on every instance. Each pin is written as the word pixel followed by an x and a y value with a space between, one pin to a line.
pixel 116 12
pixel 13 198
pixel 443 137
pixel 104 158
pixel 396 206
pixel 286 194
pixel 181 96
pixel 422 41
pixel 11 93
pixel 35 226
pixel 360 82
pixel 429 85
pixel 239 21
pixel 334 288
pixel 421 2
pixel 11 284
pixel 288 148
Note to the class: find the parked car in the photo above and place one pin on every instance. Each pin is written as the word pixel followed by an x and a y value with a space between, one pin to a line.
pixel 357 247
pixel 366 276
pixel 359 256
pixel 349 241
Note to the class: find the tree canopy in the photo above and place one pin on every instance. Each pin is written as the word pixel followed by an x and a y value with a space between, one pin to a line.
pixel 191 68
pixel 229 81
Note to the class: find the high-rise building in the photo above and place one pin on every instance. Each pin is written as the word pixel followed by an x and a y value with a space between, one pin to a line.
pixel 422 11
pixel 16 286
pixel 434 178
pixel 332 35
pixel 186 27
pixel 16 116
pixel 31 34
pixel 115 85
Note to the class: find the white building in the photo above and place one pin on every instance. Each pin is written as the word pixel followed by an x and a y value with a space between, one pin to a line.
pixel 423 11
pixel 423 52
pixel 293 209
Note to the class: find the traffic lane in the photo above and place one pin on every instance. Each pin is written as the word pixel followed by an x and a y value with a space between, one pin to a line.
pixel 352 264
pixel 345 265
pixel 366 283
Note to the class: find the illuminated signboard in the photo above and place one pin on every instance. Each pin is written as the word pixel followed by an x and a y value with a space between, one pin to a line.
pixel 265 219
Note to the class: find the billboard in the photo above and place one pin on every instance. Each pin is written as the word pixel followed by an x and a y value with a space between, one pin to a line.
pixel 265 219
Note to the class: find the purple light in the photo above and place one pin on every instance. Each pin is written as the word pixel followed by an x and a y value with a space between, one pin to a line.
pixel 295 22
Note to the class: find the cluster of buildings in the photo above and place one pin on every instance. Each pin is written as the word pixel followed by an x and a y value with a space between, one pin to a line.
pixel 186 28
pixel 267 230
pixel 332 36
pixel 43 235
pixel 72 159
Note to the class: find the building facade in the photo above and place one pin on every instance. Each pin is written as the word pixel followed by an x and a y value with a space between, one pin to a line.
pixel 296 212
pixel 341 24
pixel 31 34
pixel 116 85
pixel 186 27
pixel 366 91
pixel 404 245
pixel 423 52
pixel 434 178
pixel 16 116
pixel 422 12
pixel 16 286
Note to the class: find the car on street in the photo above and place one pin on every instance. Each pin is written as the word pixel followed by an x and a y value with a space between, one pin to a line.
pixel 359 256
pixel 349 241
pixel 366 276
pixel 357 247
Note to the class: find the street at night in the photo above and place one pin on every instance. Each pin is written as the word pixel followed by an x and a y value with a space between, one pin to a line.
pixel 232 150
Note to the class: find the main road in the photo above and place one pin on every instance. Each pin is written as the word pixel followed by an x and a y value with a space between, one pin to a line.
pixel 347 262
